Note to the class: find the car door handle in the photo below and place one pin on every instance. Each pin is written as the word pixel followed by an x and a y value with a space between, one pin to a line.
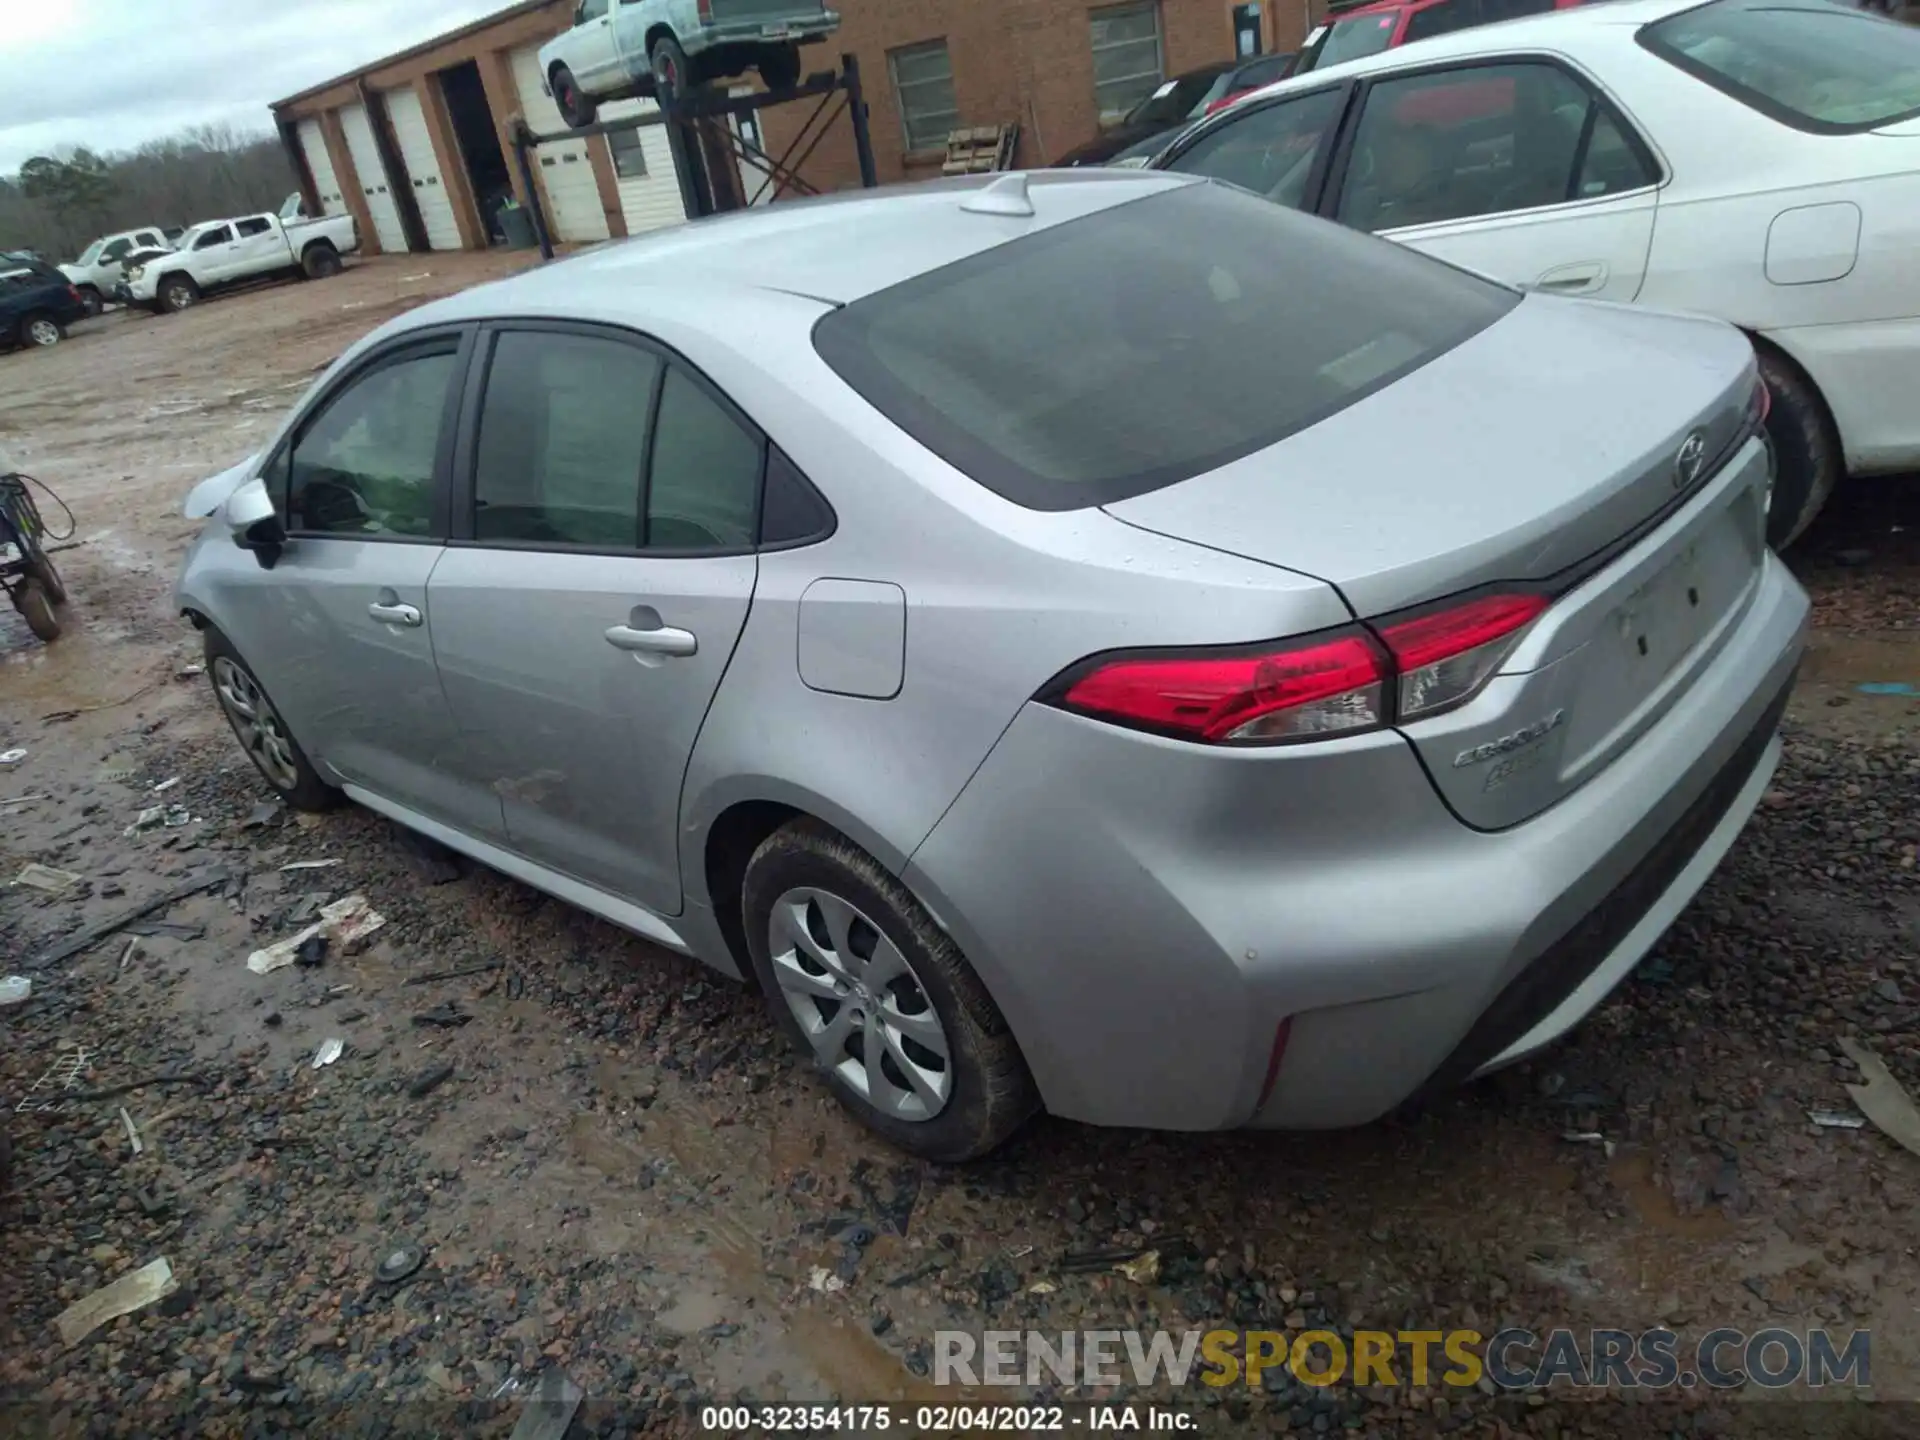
pixel 1573 279
pixel 662 640
pixel 394 614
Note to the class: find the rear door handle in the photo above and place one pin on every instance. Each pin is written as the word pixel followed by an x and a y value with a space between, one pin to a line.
pixel 394 614
pixel 662 640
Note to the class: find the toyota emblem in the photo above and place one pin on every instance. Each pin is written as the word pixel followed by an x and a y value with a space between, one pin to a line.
pixel 1686 465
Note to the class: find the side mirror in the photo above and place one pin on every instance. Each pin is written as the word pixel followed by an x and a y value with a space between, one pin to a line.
pixel 250 519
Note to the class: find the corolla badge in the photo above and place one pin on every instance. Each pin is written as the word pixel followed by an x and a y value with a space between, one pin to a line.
pixel 1688 463
pixel 1507 744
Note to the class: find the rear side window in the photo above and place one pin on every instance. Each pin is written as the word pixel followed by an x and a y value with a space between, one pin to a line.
pixel 1150 342
pixel 1815 67
pixel 256 226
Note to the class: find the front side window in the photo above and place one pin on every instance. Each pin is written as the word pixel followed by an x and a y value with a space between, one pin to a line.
pixel 117 251
pixel 1270 150
pixel 563 441
pixel 1146 343
pixel 923 81
pixel 1814 67
pixel 90 254
pixel 1482 140
pixel 219 235
pixel 1127 63
pixel 365 466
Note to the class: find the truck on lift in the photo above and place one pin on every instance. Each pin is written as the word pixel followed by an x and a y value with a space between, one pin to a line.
pixel 666 48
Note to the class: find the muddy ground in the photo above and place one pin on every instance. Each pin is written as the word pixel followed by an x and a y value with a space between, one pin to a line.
pixel 626 1176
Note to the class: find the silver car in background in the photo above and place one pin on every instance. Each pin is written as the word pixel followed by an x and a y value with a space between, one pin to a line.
pixel 1095 641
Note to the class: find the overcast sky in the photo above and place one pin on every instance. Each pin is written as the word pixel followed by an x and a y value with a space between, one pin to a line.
pixel 111 74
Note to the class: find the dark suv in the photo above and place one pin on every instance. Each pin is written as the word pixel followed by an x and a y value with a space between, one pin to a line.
pixel 36 302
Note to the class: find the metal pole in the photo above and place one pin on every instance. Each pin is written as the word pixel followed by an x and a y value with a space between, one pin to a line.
pixel 862 137
pixel 534 208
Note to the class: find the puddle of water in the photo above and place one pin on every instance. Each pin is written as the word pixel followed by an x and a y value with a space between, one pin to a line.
pixel 1633 1177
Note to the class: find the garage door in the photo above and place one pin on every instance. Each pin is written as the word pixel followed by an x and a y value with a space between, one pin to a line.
pixel 565 171
pixel 643 161
pixel 373 179
pixel 423 169
pixel 313 145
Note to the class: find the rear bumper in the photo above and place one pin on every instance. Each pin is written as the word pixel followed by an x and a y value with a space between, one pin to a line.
pixel 1146 913
pixel 1864 372
pixel 757 32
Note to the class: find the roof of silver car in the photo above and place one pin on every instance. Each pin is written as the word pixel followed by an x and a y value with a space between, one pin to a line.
pixel 834 248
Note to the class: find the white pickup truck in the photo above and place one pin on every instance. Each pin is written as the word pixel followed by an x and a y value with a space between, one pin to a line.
pixel 217 253
pixel 103 263
pixel 667 47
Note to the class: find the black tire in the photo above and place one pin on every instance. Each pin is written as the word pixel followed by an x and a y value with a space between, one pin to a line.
pixel 672 72
pixel 320 261
pixel 307 791
pixel 41 568
pixel 577 107
pixel 991 1094
pixel 36 608
pixel 41 331
pixel 92 299
pixel 1808 460
pixel 176 292
pixel 780 68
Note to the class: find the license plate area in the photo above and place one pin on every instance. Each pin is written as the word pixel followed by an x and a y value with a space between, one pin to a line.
pixel 776 32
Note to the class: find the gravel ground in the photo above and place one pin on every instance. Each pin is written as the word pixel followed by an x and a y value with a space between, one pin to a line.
pixel 610 1165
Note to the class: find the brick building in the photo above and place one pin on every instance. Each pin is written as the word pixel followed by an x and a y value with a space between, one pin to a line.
pixel 1054 67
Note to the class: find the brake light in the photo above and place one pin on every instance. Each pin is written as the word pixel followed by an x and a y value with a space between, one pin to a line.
pixel 706 11
pixel 73 293
pixel 1322 686
pixel 1446 656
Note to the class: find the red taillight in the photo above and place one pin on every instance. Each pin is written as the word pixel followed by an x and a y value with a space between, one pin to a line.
pixel 1446 656
pixel 1324 686
pixel 73 292
pixel 706 11
pixel 1316 688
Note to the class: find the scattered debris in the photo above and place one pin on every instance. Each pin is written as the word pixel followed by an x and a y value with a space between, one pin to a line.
pixel 311 951
pixel 61 1077
pixel 261 814
pixel 94 934
pixel 1589 1137
pixel 460 974
pixel 825 1281
pixel 1897 687
pixel 79 710
pixel 14 989
pixel 1143 1270
pixel 346 923
pixel 1883 1100
pixel 1042 1287
pixel 166 785
pixel 271 1020
pixel 309 865
pixel 20 801
pixel 154 817
pixel 1837 1120
pixel 46 879
pixel 190 672
pixel 10 758
pixel 448 1016
pixel 329 1051
pixel 1078 1262
pixel 165 929
pixel 126 955
pixel 551 1410
pixel 133 1291
pixel 133 1132
pixel 402 1260
pixel 429 1080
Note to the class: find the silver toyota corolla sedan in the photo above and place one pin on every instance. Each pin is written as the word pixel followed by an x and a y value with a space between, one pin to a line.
pixel 1095 641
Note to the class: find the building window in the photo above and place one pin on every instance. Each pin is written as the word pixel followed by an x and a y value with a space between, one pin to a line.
pixel 629 155
pixel 923 79
pixel 1127 62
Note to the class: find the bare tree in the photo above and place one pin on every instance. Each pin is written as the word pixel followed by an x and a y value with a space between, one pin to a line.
pixel 60 202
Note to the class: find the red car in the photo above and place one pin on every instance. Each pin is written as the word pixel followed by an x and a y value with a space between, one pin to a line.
pixel 1369 29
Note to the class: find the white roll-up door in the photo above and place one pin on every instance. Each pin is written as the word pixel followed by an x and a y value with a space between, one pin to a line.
pixel 313 145
pixel 565 170
pixel 423 169
pixel 374 182
pixel 643 163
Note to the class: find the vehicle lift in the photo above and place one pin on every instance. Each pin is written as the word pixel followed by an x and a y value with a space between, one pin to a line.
pixel 708 152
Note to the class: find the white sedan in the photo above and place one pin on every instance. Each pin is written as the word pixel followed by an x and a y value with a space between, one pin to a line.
pixel 1753 160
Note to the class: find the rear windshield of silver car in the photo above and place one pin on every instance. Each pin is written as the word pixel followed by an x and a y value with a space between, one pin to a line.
pixel 1813 66
pixel 1147 343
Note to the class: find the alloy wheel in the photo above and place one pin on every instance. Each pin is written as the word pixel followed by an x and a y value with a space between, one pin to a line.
pixel 179 297
pixel 257 724
pixel 861 1007
pixel 44 332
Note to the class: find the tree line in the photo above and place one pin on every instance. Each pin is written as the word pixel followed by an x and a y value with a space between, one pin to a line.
pixel 57 204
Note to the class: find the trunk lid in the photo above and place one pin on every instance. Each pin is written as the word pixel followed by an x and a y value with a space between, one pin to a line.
pixel 1539 443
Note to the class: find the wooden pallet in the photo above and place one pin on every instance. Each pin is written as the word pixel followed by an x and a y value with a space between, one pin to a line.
pixel 981 149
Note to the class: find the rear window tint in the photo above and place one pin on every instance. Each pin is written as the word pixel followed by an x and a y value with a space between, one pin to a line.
pixel 1814 67
pixel 1154 341
pixel 1359 36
